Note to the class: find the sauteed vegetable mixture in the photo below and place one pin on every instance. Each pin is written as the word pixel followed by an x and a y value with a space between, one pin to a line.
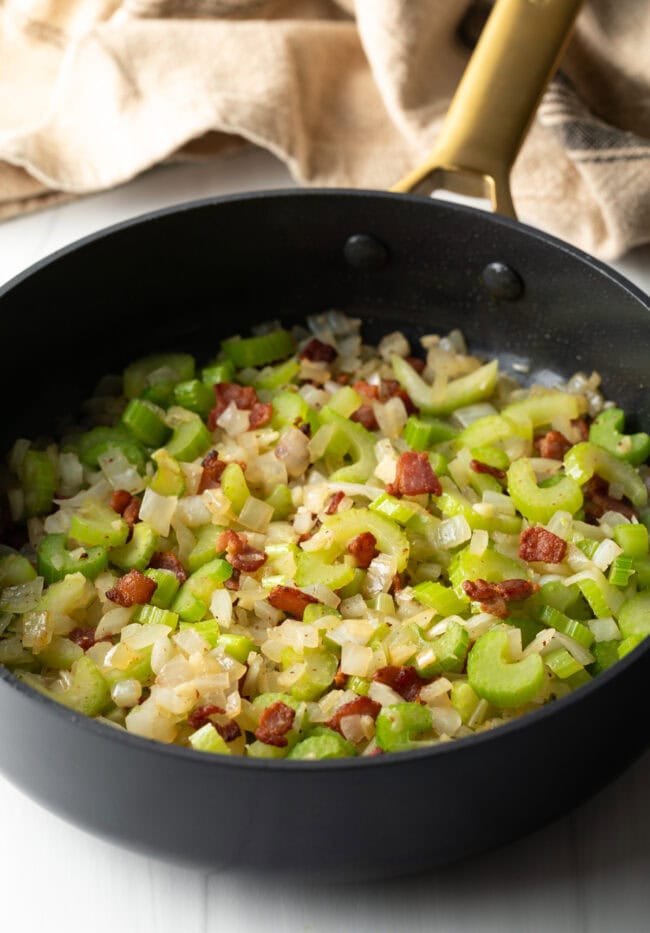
pixel 313 548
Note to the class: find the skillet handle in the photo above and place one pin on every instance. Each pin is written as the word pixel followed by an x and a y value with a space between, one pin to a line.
pixel 519 50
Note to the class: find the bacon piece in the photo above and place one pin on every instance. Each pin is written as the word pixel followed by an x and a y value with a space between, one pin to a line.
pixel 131 589
pixel 414 476
pixel 403 680
pixel 304 428
pixel 275 722
pixel 290 600
pixel 120 498
pixel 238 552
pixel 553 445
pixel 232 542
pixel 536 543
pixel 598 501
pixel 335 501
pixel 167 560
pixel 363 549
pixel 229 731
pixel 582 426
pixel 365 389
pixel 398 583
pixel 365 416
pixel 318 352
pixel 494 596
pixel 199 716
pixel 362 706
pixel 132 512
pixel 390 388
pixel 260 415
pixel 244 398
pixel 416 363
pixel 213 468
pixel 85 637
pixel 342 378
pixel 340 679
pixel 479 467
pixel 233 582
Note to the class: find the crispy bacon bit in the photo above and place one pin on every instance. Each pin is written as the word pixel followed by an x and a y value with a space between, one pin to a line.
pixel 416 363
pixel 201 715
pixel 340 679
pixel 213 468
pixel 238 552
pixel 493 597
pixel 536 543
pixel 390 388
pixel 132 512
pixel 362 706
pixel 131 589
pixel 120 498
pixel 365 416
pixel 275 722
pixel 233 582
pixel 229 731
pixel 479 467
pixel 553 445
pixel 404 680
pixel 260 415
pixel 318 352
pixel 167 560
pixel 365 389
pixel 582 426
pixel 363 549
pixel 398 583
pixel 342 378
pixel 290 600
pixel 598 501
pixel 305 427
pixel 335 501
pixel 244 398
pixel 414 476
pixel 85 637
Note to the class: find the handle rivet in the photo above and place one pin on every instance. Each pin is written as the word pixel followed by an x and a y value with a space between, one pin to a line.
pixel 501 281
pixel 365 253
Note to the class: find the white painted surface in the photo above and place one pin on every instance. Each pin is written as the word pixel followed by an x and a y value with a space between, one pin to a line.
pixel 587 873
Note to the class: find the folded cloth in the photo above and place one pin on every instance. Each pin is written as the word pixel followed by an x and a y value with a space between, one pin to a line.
pixel 346 92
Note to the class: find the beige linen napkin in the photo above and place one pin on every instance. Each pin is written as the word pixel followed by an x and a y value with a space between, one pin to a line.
pixel 346 92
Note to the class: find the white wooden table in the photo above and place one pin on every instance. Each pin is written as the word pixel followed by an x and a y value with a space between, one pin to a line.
pixel 587 873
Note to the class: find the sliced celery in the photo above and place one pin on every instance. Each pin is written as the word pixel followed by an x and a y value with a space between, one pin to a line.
pixel 398 726
pixel 441 598
pixel 167 585
pixel 389 537
pixel 195 396
pixel 496 678
pixel 607 432
pixel 155 369
pixel 136 553
pixel 55 562
pixel 38 479
pixel 466 390
pixel 585 459
pixel 95 523
pixel 536 503
pixel 234 486
pixel 146 422
pixel 207 739
pixel 318 747
pixel 190 440
pixel 258 351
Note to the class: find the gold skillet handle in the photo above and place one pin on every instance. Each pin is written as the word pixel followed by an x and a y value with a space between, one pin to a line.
pixel 518 52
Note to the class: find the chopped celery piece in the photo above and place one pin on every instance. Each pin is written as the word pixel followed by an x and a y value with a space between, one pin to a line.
pixel 146 422
pixel 360 685
pixel 450 650
pixel 274 377
pixel 568 599
pixel 315 611
pixel 38 480
pixel 234 486
pixel 205 547
pixel 357 443
pixel 543 409
pixel 588 547
pixel 466 390
pixel 453 502
pixel 562 664
pixel 642 570
pixel 217 372
pixel 94 523
pixel 55 562
pixel 290 408
pixel 389 536
pixel 632 538
pixel 87 693
pixel 67 595
pixel 259 749
pixel 345 401
pixel 528 627
pixel 621 570
pixel 491 430
pixel 423 433
pixel 490 566
pixel 354 587
pixel 193 598
pixel 139 668
pixel 494 677
pixel 441 598
pixel 136 553
pixel 207 629
pixel 100 440
pixel 538 504
pixel 606 654
pixel 168 480
pixel 383 602
pixel 319 672
pixel 585 459
pixel 194 396
pixel 262 700
pixel 207 739
pixel 603 599
pixel 153 615
pixel 189 440
pixel 629 644
pixel 398 726
pixel 482 482
pixel 60 654
pixel 398 510
pixel 281 501
pixel 155 369
pixel 493 456
pixel 236 646
pixel 607 432
pixel 464 700
pixel 553 618
pixel 161 394
pixel 318 747
pixel 258 351
pixel 167 585
pixel 634 616
pixel 15 569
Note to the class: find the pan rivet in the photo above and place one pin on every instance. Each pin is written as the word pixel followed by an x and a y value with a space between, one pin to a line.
pixel 364 252
pixel 501 281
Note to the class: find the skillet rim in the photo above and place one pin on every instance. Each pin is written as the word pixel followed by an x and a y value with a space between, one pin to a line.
pixel 127 739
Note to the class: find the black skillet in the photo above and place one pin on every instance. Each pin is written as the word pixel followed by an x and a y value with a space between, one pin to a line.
pixel 185 278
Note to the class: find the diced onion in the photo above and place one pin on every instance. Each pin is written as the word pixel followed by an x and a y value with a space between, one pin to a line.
pixel 604 629
pixel 157 511
pixel 126 693
pixel 119 471
pixel 606 552
pixel 383 694
pixel 191 510
pixel 451 532
pixel 114 621
pixel 256 514
pixel 445 720
pixel 221 606
pixel 390 416
pixel 479 543
pixel 471 413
